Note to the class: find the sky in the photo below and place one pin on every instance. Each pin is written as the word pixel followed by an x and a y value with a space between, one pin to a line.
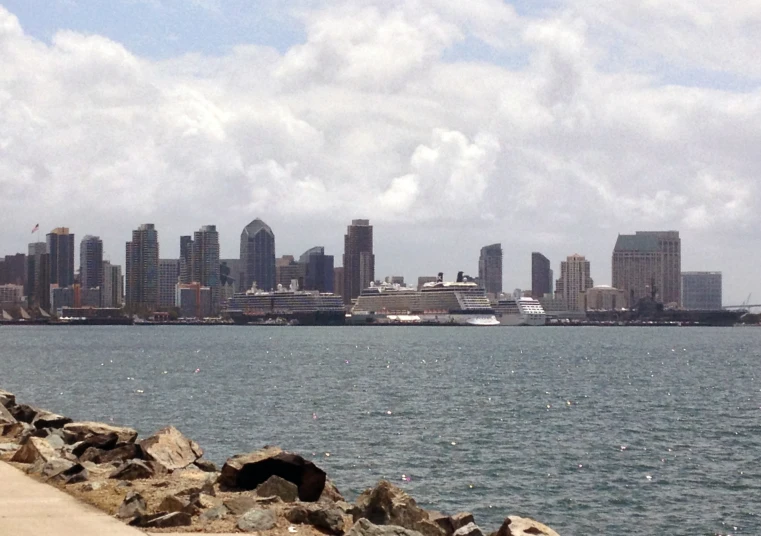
pixel 546 126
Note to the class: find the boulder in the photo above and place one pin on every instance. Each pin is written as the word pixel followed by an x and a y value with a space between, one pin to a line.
pixel 207 488
pixel 55 466
pixel 5 448
pixel 248 471
pixel 388 505
pixel 257 521
pixel 6 417
pixel 133 506
pixel 326 517
pixel 450 524
pixel 97 441
pixel 74 475
pixel 206 466
pixel 15 430
pixel 163 520
pixel 53 440
pixel 47 419
pixel 134 470
pixel 213 514
pixel 190 504
pixel 120 453
pixel 7 399
pixel 364 528
pixel 471 529
pixel 170 449
pixel 330 492
pixel 24 413
pixel 79 431
pixel 275 486
pixel 35 450
pixel 240 505
pixel 523 526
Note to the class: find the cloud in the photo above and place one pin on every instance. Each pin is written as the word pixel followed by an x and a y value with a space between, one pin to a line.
pixel 375 114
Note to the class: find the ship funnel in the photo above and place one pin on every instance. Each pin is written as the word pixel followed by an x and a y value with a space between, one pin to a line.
pixel 440 278
pixel 459 277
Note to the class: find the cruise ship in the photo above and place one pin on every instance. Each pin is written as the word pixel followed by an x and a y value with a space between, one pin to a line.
pixel 520 311
pixel 286 306
pixel 459 303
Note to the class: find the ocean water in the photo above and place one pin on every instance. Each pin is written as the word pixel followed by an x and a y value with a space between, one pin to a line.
pixel 615 431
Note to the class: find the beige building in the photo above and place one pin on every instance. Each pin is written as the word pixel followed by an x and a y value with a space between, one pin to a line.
pixel 574 280
pixel 647 263
pixel 604 298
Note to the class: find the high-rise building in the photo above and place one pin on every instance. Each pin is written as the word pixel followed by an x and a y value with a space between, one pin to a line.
pixel 33 264
pixel 233 270
pixel 143 268
pixel 61 250
pixel 648 263
pixel 338 280
pixel 91 262
pixel 206 262
pixel 113 285
pixel 490 269
pixel 186 259
pixel 288 270
pixel 169 276
pixel 13 270
pixel 541 275
pixel 574 280
pixel 257 254
pixel 359 260
pixel 318 269
pixel 701 290
pixel 42 286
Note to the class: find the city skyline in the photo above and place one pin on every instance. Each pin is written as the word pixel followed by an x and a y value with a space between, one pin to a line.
pixel 545 126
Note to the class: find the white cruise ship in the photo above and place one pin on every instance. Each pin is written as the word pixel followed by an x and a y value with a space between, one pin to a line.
pixel 459 303
pixel 520 311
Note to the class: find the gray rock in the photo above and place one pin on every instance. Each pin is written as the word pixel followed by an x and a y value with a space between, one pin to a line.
pixel 213 514
pixel 79 431
pixel 47 419
pixel 35 450
pixel 74 475
pixel 275 486
pixel 188 504
pixel 163 520
pixel 55 441
pixel 523 526
pixel 325 516
pixel 364 528
pixel 7 399
pixel 133 505
pixel 248 471
pixel 471 529
pixel 169 449
pixel 240 505
pixel 133 470
pixel 450 524
pixel 257 521
pixel 100 442
pixel 55 466
pixel 206 488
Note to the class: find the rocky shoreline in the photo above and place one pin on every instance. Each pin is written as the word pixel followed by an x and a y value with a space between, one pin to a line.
pixel 163 483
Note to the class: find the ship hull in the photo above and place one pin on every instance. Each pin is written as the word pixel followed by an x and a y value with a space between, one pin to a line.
pixel 454 319
pixel 314 318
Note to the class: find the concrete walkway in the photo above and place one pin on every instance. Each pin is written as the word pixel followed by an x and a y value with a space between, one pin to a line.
pixel 30 508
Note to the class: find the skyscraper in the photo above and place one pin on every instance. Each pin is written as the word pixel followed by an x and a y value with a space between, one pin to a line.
pixel 359 261
pixel 490 268
pixel 645 260
pixel 61 250
pixel 13 270
pixel 319 269
pixel 169 276
pixel 574 279
pixel 113 286
pixel 186 259
pixel 701 290
pixel 541 275
pixel 257 254
pixel 34 263
pixel 206 262
pixel 143 268
pixel 91 262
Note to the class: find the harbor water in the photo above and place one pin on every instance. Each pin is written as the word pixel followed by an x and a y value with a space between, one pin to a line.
pixel 616 431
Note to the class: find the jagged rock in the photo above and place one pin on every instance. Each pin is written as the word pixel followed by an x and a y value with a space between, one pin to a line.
pixel 79 431
pixel 388 505
pixel 120 453
pixel 35 450
pixel 247 471
pixel 133 505
pixel 47 419
pixel 275 486
pixel 7 399
pixel 364 528
pixel 206 466
pixel 134 470
pixel 523 526
pixel 170 449
pixel 163 520
pixel 257 521
pixel 240 505
pixel 471 529
pixel 6 417
pixel 54 440
pixel 98 471
pixel 213 514
pixel 55 466
pixel 190 504
pixel 74 475
pixel 450 524
pixel 24 413
pixel 324 516
pixel 330 492
pixel 15 430
pixel 206 488
pixel 9 447
pixel 99 441
pixel 349 509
